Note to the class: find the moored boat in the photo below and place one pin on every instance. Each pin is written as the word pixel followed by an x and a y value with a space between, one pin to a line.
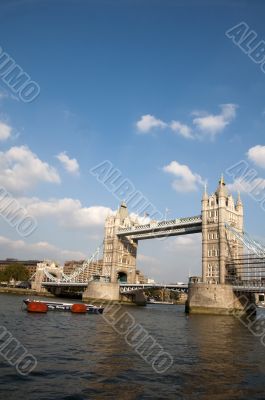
pixel 153 301
pixel 61 306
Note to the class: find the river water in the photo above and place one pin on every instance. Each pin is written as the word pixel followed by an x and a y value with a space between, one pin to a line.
pixel 86 357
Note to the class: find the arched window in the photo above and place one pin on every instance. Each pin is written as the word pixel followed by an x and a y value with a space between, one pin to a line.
pixel 122 277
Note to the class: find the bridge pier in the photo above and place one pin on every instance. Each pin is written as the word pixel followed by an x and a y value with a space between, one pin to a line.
pixel 138 298
pixel 218 299
pixel 100 291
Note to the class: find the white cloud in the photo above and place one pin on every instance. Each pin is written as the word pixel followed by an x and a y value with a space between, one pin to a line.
pixel 70 164
pixel 182 243
pixel 182 129
pixel 257 155
pixel 146 259
pixel 252 187
pixel 148 122
pixel 6 95
pixel 69 212
pixel 210 124
pixel 184 240
pixel 5 131
pixel 142 220
pixel 39 250
pixel 187 181
pixel 21 169
pixel 205 123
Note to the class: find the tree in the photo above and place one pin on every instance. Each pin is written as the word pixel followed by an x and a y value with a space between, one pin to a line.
pixel 17 272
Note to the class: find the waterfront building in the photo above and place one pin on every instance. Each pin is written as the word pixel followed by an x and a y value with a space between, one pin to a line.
pixel 30 265
pixel 140 278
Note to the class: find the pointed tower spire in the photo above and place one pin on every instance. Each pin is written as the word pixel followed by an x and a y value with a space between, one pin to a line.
pixel 205 195
pixel 123 211
pixel 221 190
pixel 238 202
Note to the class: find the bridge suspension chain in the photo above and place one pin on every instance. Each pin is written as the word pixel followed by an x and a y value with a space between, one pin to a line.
pixel 75 276
pixel 86 263
pixel 247 241
pixel 50 277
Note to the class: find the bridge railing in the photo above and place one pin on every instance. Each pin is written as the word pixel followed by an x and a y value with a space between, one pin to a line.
pixel 128 288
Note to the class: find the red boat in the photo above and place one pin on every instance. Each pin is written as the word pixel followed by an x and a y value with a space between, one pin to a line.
pixel 39 306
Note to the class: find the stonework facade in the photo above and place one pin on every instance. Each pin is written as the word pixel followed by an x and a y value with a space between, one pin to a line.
pixel 119 255
pixel 218 244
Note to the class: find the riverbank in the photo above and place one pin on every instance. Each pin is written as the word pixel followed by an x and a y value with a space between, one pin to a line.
pixel 26 292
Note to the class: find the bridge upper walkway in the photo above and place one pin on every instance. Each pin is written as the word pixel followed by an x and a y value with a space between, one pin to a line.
pixel 156 229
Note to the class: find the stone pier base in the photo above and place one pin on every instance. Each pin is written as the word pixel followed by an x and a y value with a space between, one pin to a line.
pixel 100 291
pixel 37 286
pixel 138 298
pixel 217 299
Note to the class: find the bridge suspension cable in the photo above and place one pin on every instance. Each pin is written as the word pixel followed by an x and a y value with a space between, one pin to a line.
pixel 76 276
pixel 84 266
pixel 247 241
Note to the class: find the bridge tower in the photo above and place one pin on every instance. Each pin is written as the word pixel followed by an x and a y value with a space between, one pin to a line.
pixel 218 245
pixel 119 254
pixel 52 268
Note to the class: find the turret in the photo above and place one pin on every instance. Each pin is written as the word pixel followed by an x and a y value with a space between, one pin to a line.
pixel 122 212
pixel 221 190
pixel 205 195
pixel 239 204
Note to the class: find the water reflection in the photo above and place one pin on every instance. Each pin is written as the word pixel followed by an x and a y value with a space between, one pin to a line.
pixel 227 355
pixel 83 357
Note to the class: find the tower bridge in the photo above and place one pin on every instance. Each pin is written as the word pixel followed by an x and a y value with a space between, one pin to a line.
pixel 122 234
pixel 223 240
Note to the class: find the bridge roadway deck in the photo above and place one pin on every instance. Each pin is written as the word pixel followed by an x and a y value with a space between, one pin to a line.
pixel 123 286
pixel 126 287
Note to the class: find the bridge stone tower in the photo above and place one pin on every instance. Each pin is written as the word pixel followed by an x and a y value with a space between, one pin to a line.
pixel 119 255
pixel 219 245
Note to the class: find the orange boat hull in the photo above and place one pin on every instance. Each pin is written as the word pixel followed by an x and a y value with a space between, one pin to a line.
pixel 33 306
pixel 78 308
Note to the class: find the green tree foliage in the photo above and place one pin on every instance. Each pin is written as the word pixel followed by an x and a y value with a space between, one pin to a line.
pixel 17 272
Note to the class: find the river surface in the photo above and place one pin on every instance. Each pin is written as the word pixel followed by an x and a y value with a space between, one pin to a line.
pixel 87 357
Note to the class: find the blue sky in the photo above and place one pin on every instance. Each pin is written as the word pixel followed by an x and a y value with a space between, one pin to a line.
pixel 156 88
